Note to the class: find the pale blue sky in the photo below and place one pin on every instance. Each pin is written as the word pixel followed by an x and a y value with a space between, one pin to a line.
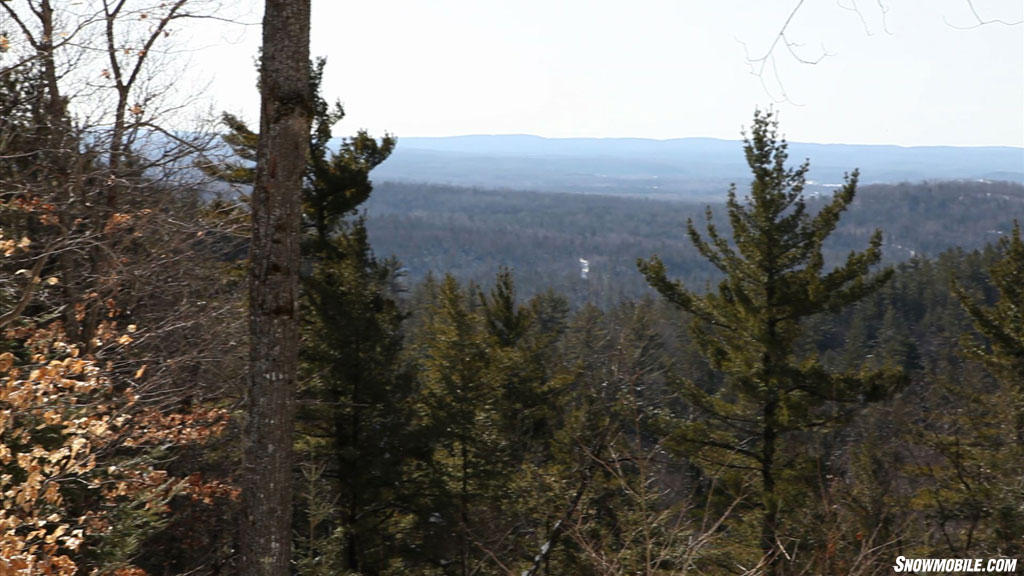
pixel 656 68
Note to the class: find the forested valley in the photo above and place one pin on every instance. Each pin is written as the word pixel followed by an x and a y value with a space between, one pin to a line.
pixel 781 383
pixel 542 235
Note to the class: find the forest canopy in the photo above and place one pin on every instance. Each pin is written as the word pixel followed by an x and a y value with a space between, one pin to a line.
pixel 789 382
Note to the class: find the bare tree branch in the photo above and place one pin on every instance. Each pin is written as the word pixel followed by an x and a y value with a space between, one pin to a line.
pixel 761 64
pixel 979 21
pixel 26 294
pixel 765 65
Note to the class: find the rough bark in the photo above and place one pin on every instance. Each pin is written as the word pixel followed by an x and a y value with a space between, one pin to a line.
pixel 285 116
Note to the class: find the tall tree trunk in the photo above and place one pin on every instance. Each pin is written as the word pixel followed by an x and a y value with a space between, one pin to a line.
pixel 769 522
pixel 285 116
pixel 58 163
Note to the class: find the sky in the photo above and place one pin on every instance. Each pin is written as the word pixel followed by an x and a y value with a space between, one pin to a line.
pixel 911 73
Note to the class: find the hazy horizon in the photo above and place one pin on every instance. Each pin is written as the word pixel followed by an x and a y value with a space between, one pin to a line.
pixel 913 73
pixel 738 138
pixel 679 167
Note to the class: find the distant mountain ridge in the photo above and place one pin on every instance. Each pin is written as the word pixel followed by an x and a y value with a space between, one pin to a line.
pixel 696 168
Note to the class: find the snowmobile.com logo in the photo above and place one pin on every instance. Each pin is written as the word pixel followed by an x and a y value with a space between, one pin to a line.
pixel 954 565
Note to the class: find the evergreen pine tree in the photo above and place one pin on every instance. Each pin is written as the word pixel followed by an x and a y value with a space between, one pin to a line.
pixel 1003 323
pixel 352 416
pixel 748 328
pixel 987 464
pixel 456 411
pixel 352 421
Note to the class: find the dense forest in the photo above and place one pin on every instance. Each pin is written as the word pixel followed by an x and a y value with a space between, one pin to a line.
pixel 471 232
pixel 786 383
